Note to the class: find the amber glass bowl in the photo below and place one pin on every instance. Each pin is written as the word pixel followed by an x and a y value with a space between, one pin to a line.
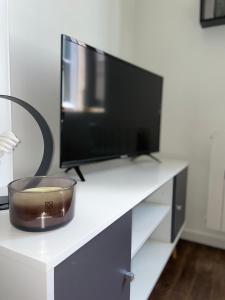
pixel 41 203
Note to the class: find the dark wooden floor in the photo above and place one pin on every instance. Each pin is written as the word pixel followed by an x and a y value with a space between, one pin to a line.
pixel 198 273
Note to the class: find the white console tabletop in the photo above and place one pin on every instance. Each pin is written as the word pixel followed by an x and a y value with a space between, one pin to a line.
pixel 111 189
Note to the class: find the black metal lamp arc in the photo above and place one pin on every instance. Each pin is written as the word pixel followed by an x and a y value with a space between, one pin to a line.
pixel 47 138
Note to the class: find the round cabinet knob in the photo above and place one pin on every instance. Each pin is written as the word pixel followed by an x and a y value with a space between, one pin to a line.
pixel 129 276
pixel 179 207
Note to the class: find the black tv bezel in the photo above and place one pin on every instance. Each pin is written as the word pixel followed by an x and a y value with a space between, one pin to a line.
pixel 73 163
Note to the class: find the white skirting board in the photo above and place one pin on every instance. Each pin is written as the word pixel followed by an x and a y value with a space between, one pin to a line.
pixel 203 238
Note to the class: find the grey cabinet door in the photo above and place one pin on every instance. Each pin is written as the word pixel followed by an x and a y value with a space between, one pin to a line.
pixel 179 201
pixel 96 271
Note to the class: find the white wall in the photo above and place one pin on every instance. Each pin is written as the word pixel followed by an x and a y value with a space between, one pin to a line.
pixel 170 41
pixel 5 111
pixel 164 37
pixel 35 28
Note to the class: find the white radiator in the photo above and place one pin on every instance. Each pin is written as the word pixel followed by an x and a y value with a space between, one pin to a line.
pixel 216 199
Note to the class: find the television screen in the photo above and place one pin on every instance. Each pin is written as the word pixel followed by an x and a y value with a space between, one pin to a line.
pixel 109 108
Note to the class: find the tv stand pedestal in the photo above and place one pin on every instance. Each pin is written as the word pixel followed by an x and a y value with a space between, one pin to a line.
pixel 155 158
pixel 151 156
pixel 128 219
pixel 78 171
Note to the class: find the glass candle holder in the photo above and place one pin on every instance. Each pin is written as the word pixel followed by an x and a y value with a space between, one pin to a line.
pixel 41 203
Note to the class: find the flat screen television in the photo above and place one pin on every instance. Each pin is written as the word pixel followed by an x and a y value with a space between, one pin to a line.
pixel 109 108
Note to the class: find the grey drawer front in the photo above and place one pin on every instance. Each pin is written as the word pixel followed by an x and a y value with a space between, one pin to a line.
pixel 179 201
pixel 95 272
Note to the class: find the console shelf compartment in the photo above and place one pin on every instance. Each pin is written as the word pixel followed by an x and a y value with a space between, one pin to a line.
pixel 147 266
pixel 146 217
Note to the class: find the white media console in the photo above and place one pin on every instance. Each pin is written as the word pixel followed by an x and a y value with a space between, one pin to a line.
pixel 129 216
